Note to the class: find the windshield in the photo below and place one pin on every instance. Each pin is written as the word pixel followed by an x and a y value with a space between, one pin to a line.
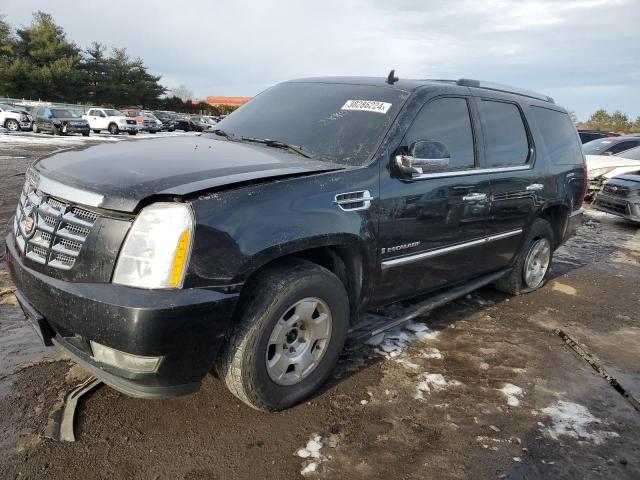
pixel 632 154
pixel 333 122
pixel 113 113
pixel 63 113
pixel 594 147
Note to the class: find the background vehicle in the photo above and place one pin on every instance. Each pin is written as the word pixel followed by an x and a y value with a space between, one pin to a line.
pixel 199 123
pixel 620 196
pixel 155 123
pixel 13 119
pixel 370 192
pixel 611 145
pixel 588 135
pixel 110 119
pixel 59 121
pixel 604 167
pixel 145 122
pixel 167 120
pixel 181 123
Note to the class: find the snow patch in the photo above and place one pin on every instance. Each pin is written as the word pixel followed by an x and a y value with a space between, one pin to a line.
pixel 574 420
pixel 435 382
pixel 392 343
pixel 431 353
pixel 512 392
pixel 311 451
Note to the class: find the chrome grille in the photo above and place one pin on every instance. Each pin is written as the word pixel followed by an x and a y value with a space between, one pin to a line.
pixel 48 230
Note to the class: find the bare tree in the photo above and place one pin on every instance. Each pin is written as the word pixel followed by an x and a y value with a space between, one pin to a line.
pixel 182 92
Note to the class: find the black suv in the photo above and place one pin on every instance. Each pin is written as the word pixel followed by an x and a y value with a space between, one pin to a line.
pixel 252 248
pixel 59 121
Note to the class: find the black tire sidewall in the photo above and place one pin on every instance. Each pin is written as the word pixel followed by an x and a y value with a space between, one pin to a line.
pixel 324 286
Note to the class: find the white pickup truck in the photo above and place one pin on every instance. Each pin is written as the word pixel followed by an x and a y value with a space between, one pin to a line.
pixel 13 119
pixel 110 119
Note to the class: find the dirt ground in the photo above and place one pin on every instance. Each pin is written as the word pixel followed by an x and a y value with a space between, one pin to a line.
pixel 481 388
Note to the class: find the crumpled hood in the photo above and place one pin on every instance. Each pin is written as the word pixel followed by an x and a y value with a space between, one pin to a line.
pixel 119 175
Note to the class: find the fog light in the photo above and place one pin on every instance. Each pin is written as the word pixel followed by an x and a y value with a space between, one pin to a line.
pixel 125 361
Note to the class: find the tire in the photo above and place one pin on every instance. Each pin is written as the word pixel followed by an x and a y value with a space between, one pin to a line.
pixel 517 281
pixel 133 133
pixel 271 297
pixel 12 125
pixel 113 129
pixel 96 131
pixel 56 131
pixel 152 131
pixel 85 134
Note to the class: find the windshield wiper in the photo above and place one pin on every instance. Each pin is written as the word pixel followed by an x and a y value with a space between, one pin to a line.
pixel 278 144
pixel 222 133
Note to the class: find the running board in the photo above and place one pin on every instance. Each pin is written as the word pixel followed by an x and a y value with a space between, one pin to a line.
pixel 372 325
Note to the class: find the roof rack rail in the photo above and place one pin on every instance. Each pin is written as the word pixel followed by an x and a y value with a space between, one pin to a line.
pixel 468 82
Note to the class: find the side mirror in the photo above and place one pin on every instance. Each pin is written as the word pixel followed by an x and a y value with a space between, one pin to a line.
pixel 424 156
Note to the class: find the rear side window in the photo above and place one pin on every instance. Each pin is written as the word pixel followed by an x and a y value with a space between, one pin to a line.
pixel 446 120
pixel 622 146
pixel 505 137
pixel 559 136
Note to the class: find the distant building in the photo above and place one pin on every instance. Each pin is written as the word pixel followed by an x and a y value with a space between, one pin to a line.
pixel 228 101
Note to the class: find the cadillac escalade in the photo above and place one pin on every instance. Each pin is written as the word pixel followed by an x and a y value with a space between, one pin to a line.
pixel 248 251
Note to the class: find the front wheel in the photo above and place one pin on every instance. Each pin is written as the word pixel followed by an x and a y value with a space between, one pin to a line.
pixel 85 134
pixel 133 133
pixel 288 337
pixel 12 125
pixel 113 129
pixel 533 262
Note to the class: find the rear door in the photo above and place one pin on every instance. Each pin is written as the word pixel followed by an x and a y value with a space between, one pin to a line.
pixel 432 226
pixel 517 185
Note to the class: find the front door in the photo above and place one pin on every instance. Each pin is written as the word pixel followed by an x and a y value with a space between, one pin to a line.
pixel 433 226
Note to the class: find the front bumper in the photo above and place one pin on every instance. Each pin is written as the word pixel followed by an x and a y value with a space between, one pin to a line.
pixel 185 327
pixel 75 128
pixel 628 208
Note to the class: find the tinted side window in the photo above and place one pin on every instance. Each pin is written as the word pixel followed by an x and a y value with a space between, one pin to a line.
pixel 446 120
pixel 559 136
pixel 505 137
pixel 622 146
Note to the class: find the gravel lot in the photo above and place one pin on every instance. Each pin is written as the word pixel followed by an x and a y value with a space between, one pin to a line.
pixel 482 388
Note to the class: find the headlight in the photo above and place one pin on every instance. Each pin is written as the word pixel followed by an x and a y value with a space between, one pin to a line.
pixel 597 172
pixel 122 120
pixel 157 248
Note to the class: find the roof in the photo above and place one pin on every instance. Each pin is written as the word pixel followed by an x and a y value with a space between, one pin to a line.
pixel 410 85
pixel 232 101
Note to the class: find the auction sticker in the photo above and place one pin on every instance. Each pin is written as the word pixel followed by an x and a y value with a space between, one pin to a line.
pixel 367 106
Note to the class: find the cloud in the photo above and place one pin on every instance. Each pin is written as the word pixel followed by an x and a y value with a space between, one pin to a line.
pixel 584 53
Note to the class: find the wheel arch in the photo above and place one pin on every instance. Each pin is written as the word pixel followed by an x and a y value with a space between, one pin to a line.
pixel 558 217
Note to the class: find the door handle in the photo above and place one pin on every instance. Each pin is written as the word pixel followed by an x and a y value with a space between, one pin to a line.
pixel 535 187
pixel 474 197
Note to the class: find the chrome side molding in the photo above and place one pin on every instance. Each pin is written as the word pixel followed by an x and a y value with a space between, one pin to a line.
pixel 395 262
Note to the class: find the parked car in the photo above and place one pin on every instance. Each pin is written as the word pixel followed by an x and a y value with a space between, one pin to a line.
pixel 620 196
pixel 199 124
pixel 181 123
pixel 146 122
pixel 110 119
pixel 611 145
pixel 59 121
pixel 167 120
pixel 588 135
pixel 601 168
pixel 14 119
pixel 370 192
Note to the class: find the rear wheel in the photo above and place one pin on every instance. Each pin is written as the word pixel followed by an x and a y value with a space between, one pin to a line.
pixel 85 134
pixel 288 336
pixel 533 262
pixel 96 131
pixel 12 125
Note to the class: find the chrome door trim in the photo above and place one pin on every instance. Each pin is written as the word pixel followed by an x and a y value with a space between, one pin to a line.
pixel 472 171
pixel 395 262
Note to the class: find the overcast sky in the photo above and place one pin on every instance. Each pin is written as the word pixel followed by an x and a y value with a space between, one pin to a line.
pixel 584 53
